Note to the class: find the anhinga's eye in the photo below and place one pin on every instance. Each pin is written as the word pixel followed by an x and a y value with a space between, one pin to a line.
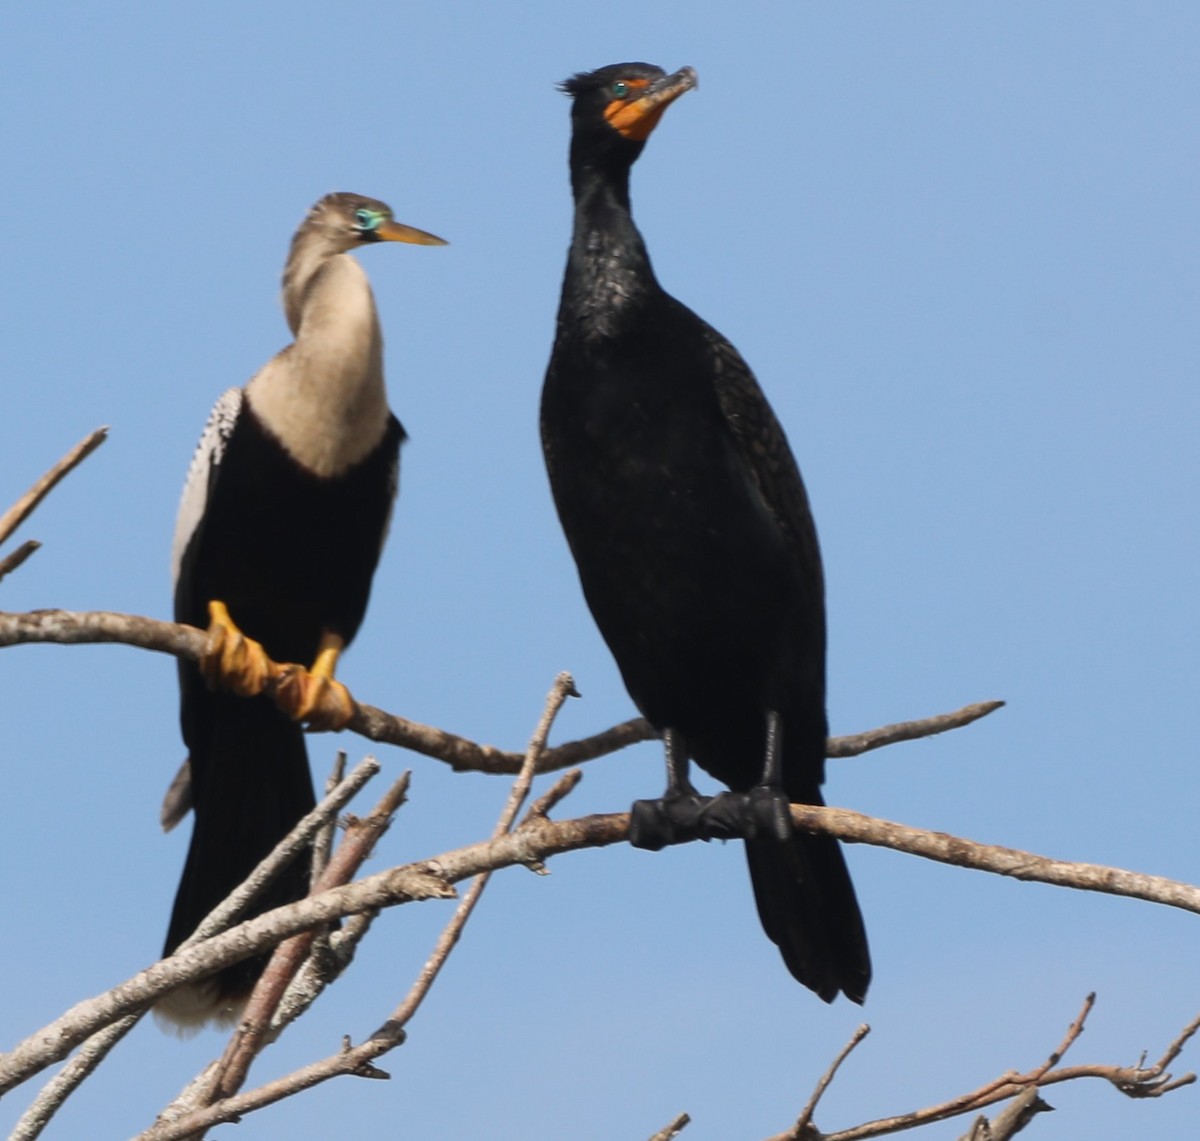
pixel 620 89
pixel 367 220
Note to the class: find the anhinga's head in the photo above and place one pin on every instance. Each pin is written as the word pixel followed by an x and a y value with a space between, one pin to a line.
pixel 342 221
pixel 616 107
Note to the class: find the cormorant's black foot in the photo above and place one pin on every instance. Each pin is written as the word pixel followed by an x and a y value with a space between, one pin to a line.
pixel 768 815
pixel 726 816
pixel 653 824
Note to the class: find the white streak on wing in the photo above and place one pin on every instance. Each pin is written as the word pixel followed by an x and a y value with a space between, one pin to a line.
pixel 207 456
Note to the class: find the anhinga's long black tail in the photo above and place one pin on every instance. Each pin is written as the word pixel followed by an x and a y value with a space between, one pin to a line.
pixel 250 785
pixel 808 908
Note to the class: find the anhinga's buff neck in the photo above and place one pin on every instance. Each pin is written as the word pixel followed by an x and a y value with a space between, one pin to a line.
pixel 323 397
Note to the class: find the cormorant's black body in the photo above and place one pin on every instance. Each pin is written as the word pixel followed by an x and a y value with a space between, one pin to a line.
pixel 691 530
pixel 292 555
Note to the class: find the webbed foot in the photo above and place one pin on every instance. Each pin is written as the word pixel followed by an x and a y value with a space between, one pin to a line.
pixel 317 698
pixel 768 815
pixel 653 824
pixel 231 660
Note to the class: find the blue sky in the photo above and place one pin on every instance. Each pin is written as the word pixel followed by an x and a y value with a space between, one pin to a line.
pixel 958 245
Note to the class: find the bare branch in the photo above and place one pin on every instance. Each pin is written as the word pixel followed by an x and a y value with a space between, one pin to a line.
pixel 553 796
pixel 673 1130
pixel 86 627
pixel 96 1048
pixel 1134 1082
pixel 285 851
pixel 252 1032
pixel 27 504
pixel 1010 1120
pixel 70 627
pixel 539 840
pixel 322 844
pixel 359 1060
pixel 860 743
pixel 804 1127
pixel 1069 1039
pixel 564 687
pixel 856 828
pixel 55 1092
pixel 11 561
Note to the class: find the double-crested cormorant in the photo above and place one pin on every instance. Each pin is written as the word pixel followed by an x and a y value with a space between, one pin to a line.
pixel 281 524
pixel 696 549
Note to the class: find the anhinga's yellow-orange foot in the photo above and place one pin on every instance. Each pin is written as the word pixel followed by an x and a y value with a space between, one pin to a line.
pixel 239 664
pixel 231 660
pixel 314 695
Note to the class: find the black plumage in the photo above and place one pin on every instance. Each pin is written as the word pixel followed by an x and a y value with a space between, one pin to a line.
pixel 696 549
pixel 283 518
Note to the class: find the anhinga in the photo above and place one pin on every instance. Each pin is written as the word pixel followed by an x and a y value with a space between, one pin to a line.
pixel 685 512
pixel 282 522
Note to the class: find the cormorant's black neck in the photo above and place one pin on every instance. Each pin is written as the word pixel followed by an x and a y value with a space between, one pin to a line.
pixel 609 277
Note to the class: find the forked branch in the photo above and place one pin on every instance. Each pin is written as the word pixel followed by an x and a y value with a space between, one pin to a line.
pixel 1133 1081
pixel 360 1060
pixel 27 504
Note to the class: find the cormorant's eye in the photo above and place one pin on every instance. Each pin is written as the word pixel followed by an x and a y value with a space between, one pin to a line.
pixel 620 89
pixel 367 220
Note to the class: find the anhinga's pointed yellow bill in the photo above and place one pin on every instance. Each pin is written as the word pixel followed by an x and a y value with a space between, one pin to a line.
pixel 399 232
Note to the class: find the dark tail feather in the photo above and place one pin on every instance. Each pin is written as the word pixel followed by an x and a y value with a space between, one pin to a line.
pixel 808 908
pixel 250 785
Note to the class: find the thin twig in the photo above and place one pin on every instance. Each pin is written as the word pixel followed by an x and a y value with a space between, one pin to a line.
pixel 1172 1052
pixel 1133 1082
pixel 804 1127
pixel 55 1092
pixel 108 1034
pixel 360 1060
pixel 11 561
pixel 283 853
pixel 553 796
pixel 27 504
pixel 673 1129
pixel 322 843
pixel 860 743
pixel 332 954
pixel 252 1032
pixel 1069 1038
pixel 563 688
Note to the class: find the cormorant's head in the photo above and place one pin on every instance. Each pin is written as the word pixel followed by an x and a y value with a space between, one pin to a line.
pixel 616 107
pixel 348 220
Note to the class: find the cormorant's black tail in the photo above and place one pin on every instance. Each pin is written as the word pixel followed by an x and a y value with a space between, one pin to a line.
pixel 250 785
pixel 808 908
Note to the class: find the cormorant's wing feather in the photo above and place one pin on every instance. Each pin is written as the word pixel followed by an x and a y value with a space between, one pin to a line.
pixel 205 461
pixel 763 446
